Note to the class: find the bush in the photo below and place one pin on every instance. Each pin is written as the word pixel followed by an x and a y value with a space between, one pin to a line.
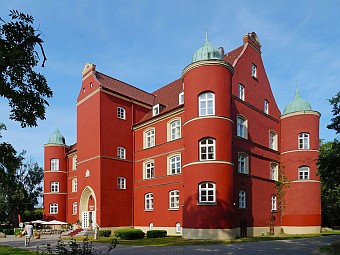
pixel 18 231
pixel 156 233
pixel 104 233
pixel 129 234
pixel 8 231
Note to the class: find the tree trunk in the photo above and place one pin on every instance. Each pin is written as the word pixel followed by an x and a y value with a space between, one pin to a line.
pixel 14 221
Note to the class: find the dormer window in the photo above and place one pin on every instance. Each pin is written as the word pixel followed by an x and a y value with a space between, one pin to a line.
pixel 181 98
pixel 155 110
pixel 253 71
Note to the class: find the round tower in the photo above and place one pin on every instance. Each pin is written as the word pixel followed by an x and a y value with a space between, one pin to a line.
pixel 207 158
pixel 55 178
pixel 299 154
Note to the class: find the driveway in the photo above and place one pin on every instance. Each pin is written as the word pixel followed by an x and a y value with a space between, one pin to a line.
pixel 305 246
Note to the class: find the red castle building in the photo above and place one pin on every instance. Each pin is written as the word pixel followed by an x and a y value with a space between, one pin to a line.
pixel 199 157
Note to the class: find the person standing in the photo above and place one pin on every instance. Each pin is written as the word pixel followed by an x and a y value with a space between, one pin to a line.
pixel 29 233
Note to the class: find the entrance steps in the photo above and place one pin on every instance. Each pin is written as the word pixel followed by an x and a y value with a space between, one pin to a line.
pixel 85 232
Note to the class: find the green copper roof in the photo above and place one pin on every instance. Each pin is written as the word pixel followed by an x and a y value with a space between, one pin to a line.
pixel 207 51
pixel 297 105
pixel 57 138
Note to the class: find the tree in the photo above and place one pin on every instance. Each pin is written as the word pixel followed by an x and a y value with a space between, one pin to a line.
pixel 25 89
pixel 329 170
pixel 20 184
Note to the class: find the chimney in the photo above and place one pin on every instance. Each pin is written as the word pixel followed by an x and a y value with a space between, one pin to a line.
pixel 252 40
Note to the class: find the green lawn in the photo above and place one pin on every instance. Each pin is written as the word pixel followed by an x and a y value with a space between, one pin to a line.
pixel 6 250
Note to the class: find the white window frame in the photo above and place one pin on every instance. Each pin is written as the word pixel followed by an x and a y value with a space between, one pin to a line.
pixel 303 141
pixel 149 169
pixel 121 113
pixel 207 193
pixel 148 202
pixel 74 208
pixel 274 171
pixel 242 127
pixel 274 203
pixel 121 153
pixel 207 149
pixel 206 104
pixel 178 228
pixel 174 129
pixel 303 173
pixel 174 164
pixel 266 106
pixel 155 110
pixel 273 140
pixel 54 164
pixel 121 183
pixel 174 199
pixel 151 226
pixel 53 208
pixel 241 92
pixel 149 138
pixel 54 187
pixel 254 70
pixel 74 163
pixel 242 163
pixel 181 98
pixel 242 199
pixel 74 184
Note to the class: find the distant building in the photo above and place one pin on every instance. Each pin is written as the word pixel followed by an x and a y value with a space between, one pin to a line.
pixel 199 157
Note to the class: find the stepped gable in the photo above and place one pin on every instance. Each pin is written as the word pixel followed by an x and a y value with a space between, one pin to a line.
pixel 124 89
pixel 167 96
pixel 231 56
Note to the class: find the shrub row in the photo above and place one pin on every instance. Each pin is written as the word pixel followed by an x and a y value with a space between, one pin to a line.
pixel 8 231
pixel 129 234
pixel 104 233
pixel 156 233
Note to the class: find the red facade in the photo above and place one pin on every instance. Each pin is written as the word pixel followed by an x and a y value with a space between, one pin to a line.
pixel 199 157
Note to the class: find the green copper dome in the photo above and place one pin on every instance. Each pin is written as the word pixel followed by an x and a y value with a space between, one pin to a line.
pixel 57 138
pixel 206 52
pixel 297 105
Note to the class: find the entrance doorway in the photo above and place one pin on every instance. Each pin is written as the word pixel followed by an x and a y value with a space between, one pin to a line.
pixel 88 219
pixel 87 208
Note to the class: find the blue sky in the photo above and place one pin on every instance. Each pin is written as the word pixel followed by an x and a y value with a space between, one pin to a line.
pixel 148 43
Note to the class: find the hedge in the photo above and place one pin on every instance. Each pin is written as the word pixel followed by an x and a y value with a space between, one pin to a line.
pixel 104 233
pixel 156 233
pixel 8 231
pixel 129 234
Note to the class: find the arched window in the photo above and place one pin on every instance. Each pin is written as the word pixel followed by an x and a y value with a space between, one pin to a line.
pixel 175 129
pixel 121 183
pixel 53 208
pixel 149 138
pixel 74 208
pixel 175 164
pixel 304 173
pixel 241 91
pixel 243 166
pixel 242 127
pixel 207 149
pixel 151 226
pixel 206 104
pixel 148 170
pixel 148 201
pixel 242 199
pixel 174 199
pixel 121 152
pixel 266 106
pixel 54 187
pixel 273 140
pixel 304 141
pixel 274 172
pixel 74 185
pixel 178 227
pixel 121 113
pixel 274 203
pixel 54 164
pixel 207 192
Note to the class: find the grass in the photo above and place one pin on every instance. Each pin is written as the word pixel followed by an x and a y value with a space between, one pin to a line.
pixel 177 240
pixel 6 250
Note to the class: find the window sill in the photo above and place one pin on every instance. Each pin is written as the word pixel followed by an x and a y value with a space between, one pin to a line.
pixel 148 210
pixel 207 203
pixel 255 78
pixel 173 209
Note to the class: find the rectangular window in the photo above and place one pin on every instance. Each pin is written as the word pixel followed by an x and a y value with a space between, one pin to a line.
pixel 207 149
pixel 274 203
pixel 53 208
pixel 121 152
pixel 149 201
pixel 266 107
pixel 175 130
pixel 149 138
pixel 74 208
pixel 181 98
pixel 243 163
pixel 304 141
pixel 304 173
pixel 241 92
pixel 175 164
pixel 54 187
pixel 174 199
pixel 206 104
pixel 207 192
pixel 273 140
pixel 155 110
pixel 54 164
pixel 74 163
pixel 149 170
pixel 274 172
pixel 74 185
